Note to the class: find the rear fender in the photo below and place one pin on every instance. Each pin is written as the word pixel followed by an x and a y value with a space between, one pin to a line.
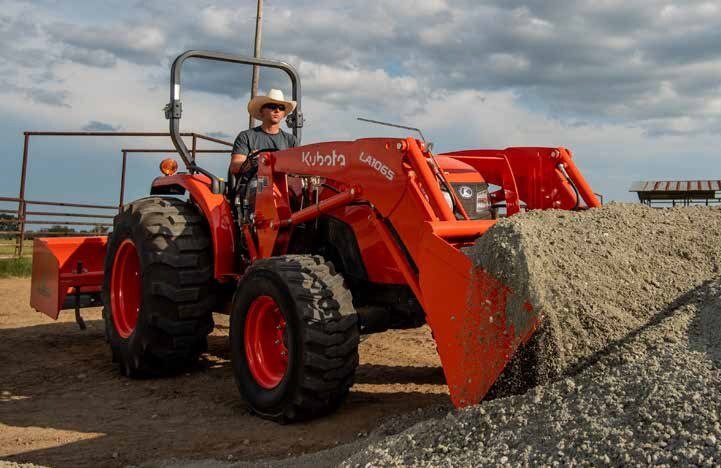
pixel 217 212
pixel 60 265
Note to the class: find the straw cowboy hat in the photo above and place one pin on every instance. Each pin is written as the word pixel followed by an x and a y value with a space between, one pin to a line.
pixel 274 96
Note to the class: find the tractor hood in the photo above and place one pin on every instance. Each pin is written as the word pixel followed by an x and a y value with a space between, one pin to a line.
pixel 458 171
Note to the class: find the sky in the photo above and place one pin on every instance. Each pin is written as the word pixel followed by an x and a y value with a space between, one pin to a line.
pixel 632 87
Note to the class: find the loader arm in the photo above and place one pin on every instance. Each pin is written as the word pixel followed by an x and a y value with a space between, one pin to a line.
pixel 544 177
pixel 473 316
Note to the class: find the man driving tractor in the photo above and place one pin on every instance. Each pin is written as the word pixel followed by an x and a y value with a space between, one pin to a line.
pixel 270 110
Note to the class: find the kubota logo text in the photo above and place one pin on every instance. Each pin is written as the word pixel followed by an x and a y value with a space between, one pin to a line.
pixel 318 159
pixel 377 165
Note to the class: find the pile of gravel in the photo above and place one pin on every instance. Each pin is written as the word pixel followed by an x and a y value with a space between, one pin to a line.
pixel 596 276
pixel 627 366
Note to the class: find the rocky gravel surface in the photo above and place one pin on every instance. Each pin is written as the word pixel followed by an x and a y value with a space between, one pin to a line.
pixel 627 367
pixel 4 464
pixel 626 370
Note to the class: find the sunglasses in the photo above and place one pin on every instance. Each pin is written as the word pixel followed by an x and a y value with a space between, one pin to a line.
pixel 279 107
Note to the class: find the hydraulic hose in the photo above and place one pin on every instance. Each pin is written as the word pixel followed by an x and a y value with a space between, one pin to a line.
pixel 562 168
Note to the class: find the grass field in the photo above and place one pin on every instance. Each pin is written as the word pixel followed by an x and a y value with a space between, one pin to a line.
pixel 15 267
pixel 6 250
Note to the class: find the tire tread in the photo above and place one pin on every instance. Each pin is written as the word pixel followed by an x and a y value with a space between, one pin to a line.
pixel 177 270
pixel 330 337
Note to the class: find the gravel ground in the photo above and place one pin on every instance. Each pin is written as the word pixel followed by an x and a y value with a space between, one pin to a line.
pixel 64 404
pixel 626 368
pixel 331 457
pixel 4 464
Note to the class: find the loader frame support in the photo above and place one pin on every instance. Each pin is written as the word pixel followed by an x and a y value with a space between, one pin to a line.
pixel 536 176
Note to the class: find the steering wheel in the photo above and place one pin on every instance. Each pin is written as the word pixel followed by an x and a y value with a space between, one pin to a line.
pixel 251 162
pixel 246 172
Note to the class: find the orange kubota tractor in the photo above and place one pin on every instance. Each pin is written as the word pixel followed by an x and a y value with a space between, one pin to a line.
pixel 309 249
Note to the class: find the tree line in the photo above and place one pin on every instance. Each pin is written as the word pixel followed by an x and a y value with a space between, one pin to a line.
pixel 9 223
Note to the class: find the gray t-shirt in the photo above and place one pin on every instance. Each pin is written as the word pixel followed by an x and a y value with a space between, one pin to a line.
pixel 253 139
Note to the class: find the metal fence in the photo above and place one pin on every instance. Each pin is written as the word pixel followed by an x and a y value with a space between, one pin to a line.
pixel 97 218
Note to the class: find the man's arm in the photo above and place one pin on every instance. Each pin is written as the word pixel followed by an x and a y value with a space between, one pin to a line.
pixel 241 148
pixel 237 160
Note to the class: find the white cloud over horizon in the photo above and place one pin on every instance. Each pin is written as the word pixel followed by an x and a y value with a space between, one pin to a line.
pixel 633 88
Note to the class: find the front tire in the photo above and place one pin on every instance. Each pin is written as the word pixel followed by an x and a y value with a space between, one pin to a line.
pixel 157 290
pixel 294 338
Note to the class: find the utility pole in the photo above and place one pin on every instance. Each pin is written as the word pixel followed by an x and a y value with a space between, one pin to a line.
pixel 256 69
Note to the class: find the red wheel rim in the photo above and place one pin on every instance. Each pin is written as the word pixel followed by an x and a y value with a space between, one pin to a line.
pixel 265 342
pixel 125 288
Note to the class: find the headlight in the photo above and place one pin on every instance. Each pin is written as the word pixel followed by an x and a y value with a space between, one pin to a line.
pixel 448 198
pixel 483 201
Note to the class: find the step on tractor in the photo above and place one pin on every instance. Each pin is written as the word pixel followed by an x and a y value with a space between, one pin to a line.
pixel 307 250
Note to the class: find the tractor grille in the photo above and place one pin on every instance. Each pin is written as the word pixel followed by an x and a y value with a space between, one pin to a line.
pixel 474 199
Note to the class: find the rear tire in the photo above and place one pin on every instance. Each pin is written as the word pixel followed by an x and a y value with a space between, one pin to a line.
pixel 317 328
pixel 158 323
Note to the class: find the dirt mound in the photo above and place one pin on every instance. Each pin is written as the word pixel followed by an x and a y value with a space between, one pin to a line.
pixel 596 276
pixel 654 400
pixel 628 356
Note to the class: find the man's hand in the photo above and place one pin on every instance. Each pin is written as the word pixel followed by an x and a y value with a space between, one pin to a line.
pixel 236 161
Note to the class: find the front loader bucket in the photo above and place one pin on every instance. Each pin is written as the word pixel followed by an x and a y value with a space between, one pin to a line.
pixel 477 322
pixel 67 273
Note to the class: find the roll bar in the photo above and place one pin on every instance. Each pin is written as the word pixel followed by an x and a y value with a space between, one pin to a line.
pixel 174 109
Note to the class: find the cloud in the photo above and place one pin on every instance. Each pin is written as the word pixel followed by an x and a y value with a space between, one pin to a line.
pixel 360 88
pixel 19 37
pixel 143 44
pixel 588 60
pixel 96 126
pixel 629 85
pixel 93 58
pixel 53 98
